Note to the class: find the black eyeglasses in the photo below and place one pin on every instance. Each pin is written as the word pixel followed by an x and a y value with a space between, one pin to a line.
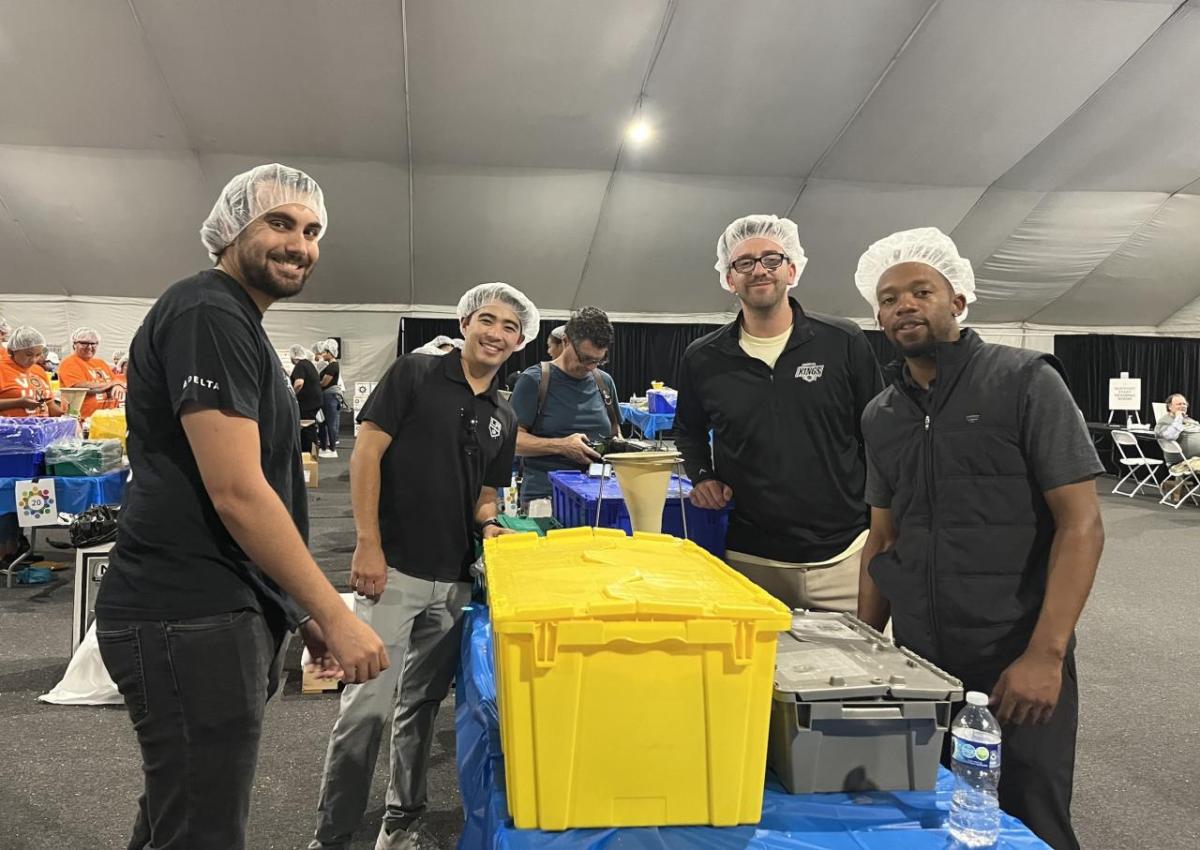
pixel 587 362
pixel 770 261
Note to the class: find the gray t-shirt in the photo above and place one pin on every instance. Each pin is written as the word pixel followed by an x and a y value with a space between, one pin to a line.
pixel 573 406
pixel 1054 438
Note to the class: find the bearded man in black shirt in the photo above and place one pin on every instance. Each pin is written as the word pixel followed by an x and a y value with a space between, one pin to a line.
pixel 210 571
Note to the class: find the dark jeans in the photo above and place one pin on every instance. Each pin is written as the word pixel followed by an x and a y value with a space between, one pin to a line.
pixel 1037 764
pixel 196 691
pixel 308 436
pixel 327 431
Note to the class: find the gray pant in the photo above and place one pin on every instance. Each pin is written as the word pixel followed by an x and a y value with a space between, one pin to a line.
pixel 420 623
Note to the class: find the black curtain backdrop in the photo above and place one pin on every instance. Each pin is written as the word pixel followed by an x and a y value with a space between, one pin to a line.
pixel 1165 364
pixel 642 351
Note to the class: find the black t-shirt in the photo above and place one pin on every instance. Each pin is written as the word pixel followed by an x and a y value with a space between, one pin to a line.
pixel 201 342
pixel 309 396
pixel 447 443
pixel 332 371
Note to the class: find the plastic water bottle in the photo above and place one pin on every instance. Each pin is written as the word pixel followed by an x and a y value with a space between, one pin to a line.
pixel 975 754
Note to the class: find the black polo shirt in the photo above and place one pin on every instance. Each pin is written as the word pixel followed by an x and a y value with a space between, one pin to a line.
pixel 786 439
pixel 202 342
pixel 447 443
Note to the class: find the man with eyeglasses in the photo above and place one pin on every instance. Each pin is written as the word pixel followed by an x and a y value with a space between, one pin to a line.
pixel 566 404
pixel 84 369
pixel 436 441
pixel 781 390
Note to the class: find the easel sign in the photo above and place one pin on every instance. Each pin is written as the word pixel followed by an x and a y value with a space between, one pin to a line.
pixel 1125 394
pixel 36 502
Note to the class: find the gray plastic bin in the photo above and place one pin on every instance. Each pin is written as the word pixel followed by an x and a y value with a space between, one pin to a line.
pixel 854 712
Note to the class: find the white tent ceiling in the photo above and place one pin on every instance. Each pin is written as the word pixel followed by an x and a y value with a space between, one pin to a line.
pixel 467 140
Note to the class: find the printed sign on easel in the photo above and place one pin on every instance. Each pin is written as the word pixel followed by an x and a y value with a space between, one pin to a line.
pixel 37 503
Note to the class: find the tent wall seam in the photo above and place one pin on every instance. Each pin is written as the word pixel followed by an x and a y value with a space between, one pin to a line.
pixel 660 40
pixel 861 105
pixel 412 277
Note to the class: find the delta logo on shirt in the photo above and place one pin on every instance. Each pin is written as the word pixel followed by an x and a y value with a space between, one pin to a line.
pixel 200 382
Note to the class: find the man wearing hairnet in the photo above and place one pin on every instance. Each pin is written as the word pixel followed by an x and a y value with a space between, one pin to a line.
pixel 210 571
pixel 332 392
pixel 84 369
pixel 555 341
pixel 782 389
pixel 436 441
pixel 306 384
pixel 985 527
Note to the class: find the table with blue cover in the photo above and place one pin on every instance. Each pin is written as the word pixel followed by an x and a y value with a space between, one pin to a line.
pixel 75 494
pixel 876 820
pixel 649 424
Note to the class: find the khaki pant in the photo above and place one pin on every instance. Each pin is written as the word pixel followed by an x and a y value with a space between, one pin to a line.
pixel 833 587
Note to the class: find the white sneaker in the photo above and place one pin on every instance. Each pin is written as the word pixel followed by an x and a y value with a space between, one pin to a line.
pixel 327 453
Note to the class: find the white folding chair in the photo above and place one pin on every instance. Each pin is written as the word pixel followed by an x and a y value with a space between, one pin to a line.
pixel 1187 481
pixel 1142 470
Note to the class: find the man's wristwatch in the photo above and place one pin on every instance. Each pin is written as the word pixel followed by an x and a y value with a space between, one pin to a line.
pixel 487 522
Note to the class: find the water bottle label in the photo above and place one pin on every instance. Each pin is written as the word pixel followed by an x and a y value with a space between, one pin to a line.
pixel 974 753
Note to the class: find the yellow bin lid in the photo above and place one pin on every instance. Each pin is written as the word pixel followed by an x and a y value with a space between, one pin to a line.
pixel 586 573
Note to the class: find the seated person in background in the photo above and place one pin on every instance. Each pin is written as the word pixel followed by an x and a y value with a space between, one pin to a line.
pixel 554 342
pixel 84 369
pixel 24 385
pixel 1177 425
pixel 307 386
pixel 565 404
pixel 5 330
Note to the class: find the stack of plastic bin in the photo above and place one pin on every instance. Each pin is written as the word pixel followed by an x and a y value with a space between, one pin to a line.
pixel 23 442
pixel 633 677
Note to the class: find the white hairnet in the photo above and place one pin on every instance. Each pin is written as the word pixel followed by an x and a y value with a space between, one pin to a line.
pixel 429 348
pixel 52 359
pixel 926 245
pixel 502 293
pixel 559 333
pixel 119 355
pixel 5 327
pixel 254 192
pixel 298 352
pixel 330 345
pixel 87 334
pixel 458 343
pixel 25 337
pixel 782 231
pixel 440 340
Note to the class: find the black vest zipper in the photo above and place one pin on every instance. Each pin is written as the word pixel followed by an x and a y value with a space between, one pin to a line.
pixel 931 558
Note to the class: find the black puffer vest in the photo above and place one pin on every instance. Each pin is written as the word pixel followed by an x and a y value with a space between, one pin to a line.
pixel 967 575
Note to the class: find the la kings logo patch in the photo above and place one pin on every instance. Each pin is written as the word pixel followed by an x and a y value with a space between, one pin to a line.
pixel 494 428
pixel 810 372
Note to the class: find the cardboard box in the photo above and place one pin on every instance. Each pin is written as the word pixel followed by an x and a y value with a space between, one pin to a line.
pixel 311 473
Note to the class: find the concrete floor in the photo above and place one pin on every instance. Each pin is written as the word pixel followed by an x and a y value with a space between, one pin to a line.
pixel 69 776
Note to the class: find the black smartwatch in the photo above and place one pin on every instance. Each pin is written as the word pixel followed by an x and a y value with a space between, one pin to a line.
pixel 487 522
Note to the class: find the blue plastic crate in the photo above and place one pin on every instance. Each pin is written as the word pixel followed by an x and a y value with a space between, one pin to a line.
pixel 576 495
pixel 22 464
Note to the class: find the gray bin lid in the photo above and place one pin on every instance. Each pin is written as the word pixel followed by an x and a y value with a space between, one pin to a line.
pixel 830 656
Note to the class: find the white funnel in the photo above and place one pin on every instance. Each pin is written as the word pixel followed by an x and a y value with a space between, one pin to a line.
pixel 644 478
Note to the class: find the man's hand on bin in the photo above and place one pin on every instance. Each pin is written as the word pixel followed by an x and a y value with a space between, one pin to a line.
pixel 578 448
pixel 1027 692
pixel 368 570
pixel 711 494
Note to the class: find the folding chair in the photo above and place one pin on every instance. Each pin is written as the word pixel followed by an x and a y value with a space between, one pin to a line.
pixel 1143 471
pixel 1187 484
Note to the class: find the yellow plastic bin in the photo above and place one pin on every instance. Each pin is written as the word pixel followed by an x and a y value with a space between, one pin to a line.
pixel 634 678
pixel 108 424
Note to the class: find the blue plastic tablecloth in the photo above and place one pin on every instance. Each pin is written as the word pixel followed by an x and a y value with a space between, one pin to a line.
pixel 878 820
pixel 648 423
pixel 75 494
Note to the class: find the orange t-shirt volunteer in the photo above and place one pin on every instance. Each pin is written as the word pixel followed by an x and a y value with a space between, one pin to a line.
pixel 74 370
pixel 15 382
